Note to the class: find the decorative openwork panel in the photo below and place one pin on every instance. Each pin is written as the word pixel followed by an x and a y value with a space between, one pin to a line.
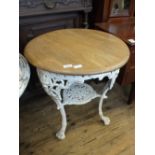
pixel 24 74
pixel 72 90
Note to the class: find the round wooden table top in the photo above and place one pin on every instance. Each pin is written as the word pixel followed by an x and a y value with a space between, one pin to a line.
pixel 77 52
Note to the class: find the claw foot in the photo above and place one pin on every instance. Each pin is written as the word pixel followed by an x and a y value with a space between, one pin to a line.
pixel 106 120
pixel 60 135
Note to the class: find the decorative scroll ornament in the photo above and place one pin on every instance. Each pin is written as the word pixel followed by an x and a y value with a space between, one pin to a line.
pixel 24 74
pixel 30 3
pixel 72 90
pixel 52 3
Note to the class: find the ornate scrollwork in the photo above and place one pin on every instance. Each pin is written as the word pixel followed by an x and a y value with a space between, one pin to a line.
pixel 52 3
pixel 30 3
pixel 24 74
pixel 72 90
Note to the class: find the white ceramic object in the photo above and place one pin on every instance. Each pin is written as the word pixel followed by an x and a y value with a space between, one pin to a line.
pixel 24 74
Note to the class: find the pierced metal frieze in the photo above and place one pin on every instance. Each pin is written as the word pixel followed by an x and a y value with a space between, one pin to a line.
pixel 72 90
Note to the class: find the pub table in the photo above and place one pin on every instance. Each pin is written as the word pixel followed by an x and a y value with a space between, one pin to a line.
pixel 66 59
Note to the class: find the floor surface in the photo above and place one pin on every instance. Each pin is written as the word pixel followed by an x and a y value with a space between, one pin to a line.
pixel 86 134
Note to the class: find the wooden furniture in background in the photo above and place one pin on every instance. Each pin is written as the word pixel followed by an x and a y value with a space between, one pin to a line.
pixel 40 16
pixel 113 10
pixel 66 60
pixel 125 30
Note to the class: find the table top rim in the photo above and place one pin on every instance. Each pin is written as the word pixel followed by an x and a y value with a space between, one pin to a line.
pixel 79 73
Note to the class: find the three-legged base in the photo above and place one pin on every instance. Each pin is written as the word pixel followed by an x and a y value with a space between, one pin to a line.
pixel 72 90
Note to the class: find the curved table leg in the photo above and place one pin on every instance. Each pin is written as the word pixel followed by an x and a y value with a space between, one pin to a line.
pixel 61 133
pixel 107 87
pixel 105 119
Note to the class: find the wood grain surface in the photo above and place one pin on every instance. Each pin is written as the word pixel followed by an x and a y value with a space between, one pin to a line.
pixel 86 134
pixel 77 52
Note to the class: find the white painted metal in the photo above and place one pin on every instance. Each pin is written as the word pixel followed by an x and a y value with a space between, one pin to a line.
pixel 72 90
pixel 24 74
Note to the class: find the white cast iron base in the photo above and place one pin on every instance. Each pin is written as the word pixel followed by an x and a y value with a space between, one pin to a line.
pixel 72 90
pixel 24 74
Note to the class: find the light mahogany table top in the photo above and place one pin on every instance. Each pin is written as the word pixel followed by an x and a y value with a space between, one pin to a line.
pixel 77 52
